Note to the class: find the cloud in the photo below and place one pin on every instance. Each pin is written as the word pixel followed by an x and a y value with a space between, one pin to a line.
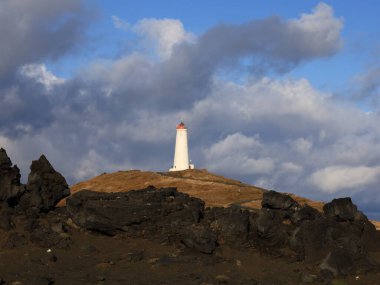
pixel 164 34
pixel 368 86
pixel 275 43
pixel 40 74
pixel 31 31
pixel 321 31
pixel 189 65
pixel 239 155
pixel 335 178
pixel 121 113
pixel 302 145
pixel 120 23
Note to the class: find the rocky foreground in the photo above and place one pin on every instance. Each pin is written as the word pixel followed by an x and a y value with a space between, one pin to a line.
pixel 163 236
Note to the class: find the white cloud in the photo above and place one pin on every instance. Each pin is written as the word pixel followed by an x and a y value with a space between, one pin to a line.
pixel 336 178
pixel 120 23
pixel 239 155
pixel 323 26
pixel 291 167
pixel 165 34
pixel 302 145
pixel 41 74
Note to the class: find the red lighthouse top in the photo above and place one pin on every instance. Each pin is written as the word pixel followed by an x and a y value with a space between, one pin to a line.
pixel 181 126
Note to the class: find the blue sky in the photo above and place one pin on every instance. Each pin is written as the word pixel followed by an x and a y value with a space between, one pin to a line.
pixel 280 94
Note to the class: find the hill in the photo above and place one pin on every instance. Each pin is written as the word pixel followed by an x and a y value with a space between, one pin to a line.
pixel 215 190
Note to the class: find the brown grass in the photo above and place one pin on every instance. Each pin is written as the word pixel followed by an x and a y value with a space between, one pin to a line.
pixel 215 190
pixel 377 224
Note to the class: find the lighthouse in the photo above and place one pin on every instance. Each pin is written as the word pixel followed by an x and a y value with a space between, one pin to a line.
pixel 181 152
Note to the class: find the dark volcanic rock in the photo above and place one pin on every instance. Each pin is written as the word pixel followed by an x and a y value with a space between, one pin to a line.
pixel 347 260
pixel 341 209
pixel 267 229
pixel 5 217
pixel 304 213
pixel 44 236
pixel 278 201
pixel 10 186
pixel 45 187
pixel 201 238
pixel 231 224
pixel 142 212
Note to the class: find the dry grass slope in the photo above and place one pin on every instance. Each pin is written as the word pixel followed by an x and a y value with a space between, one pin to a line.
pixel 215 190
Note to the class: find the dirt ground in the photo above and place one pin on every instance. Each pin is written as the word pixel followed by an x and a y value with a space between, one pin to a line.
pixel 97 259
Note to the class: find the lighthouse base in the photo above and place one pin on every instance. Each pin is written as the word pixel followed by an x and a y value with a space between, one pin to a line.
pixel 191 166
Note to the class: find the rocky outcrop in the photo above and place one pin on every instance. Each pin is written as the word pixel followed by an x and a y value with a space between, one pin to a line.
pixel 278 201
pixel 45 187
pixel 146 212
pixel 342 210
pixel 336 240
pixel 10 186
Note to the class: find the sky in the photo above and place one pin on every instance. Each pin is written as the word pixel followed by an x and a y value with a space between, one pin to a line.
pixel 280 94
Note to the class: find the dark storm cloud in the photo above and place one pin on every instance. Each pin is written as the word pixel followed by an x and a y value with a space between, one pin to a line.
pixel 24 108
pixel 34 30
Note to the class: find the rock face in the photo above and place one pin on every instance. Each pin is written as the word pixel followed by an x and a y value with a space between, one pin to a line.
pixel 10 186
pixel 45 187
pixel 163 211
pixel 230 224
pixel 336 240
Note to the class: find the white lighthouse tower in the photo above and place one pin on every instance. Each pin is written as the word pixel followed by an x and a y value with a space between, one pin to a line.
pixel 181 153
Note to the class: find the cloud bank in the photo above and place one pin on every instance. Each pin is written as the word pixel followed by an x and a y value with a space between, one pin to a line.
pixel 120 113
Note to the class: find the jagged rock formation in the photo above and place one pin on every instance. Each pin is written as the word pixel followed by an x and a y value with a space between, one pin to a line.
pixel 45 187
pixel 10 186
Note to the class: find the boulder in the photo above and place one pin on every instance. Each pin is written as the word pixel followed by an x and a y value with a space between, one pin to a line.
pixel 278 201
pixel 304 213
pixel 341 209
pixel 10 186
pixel 139 212
pixel 45 187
